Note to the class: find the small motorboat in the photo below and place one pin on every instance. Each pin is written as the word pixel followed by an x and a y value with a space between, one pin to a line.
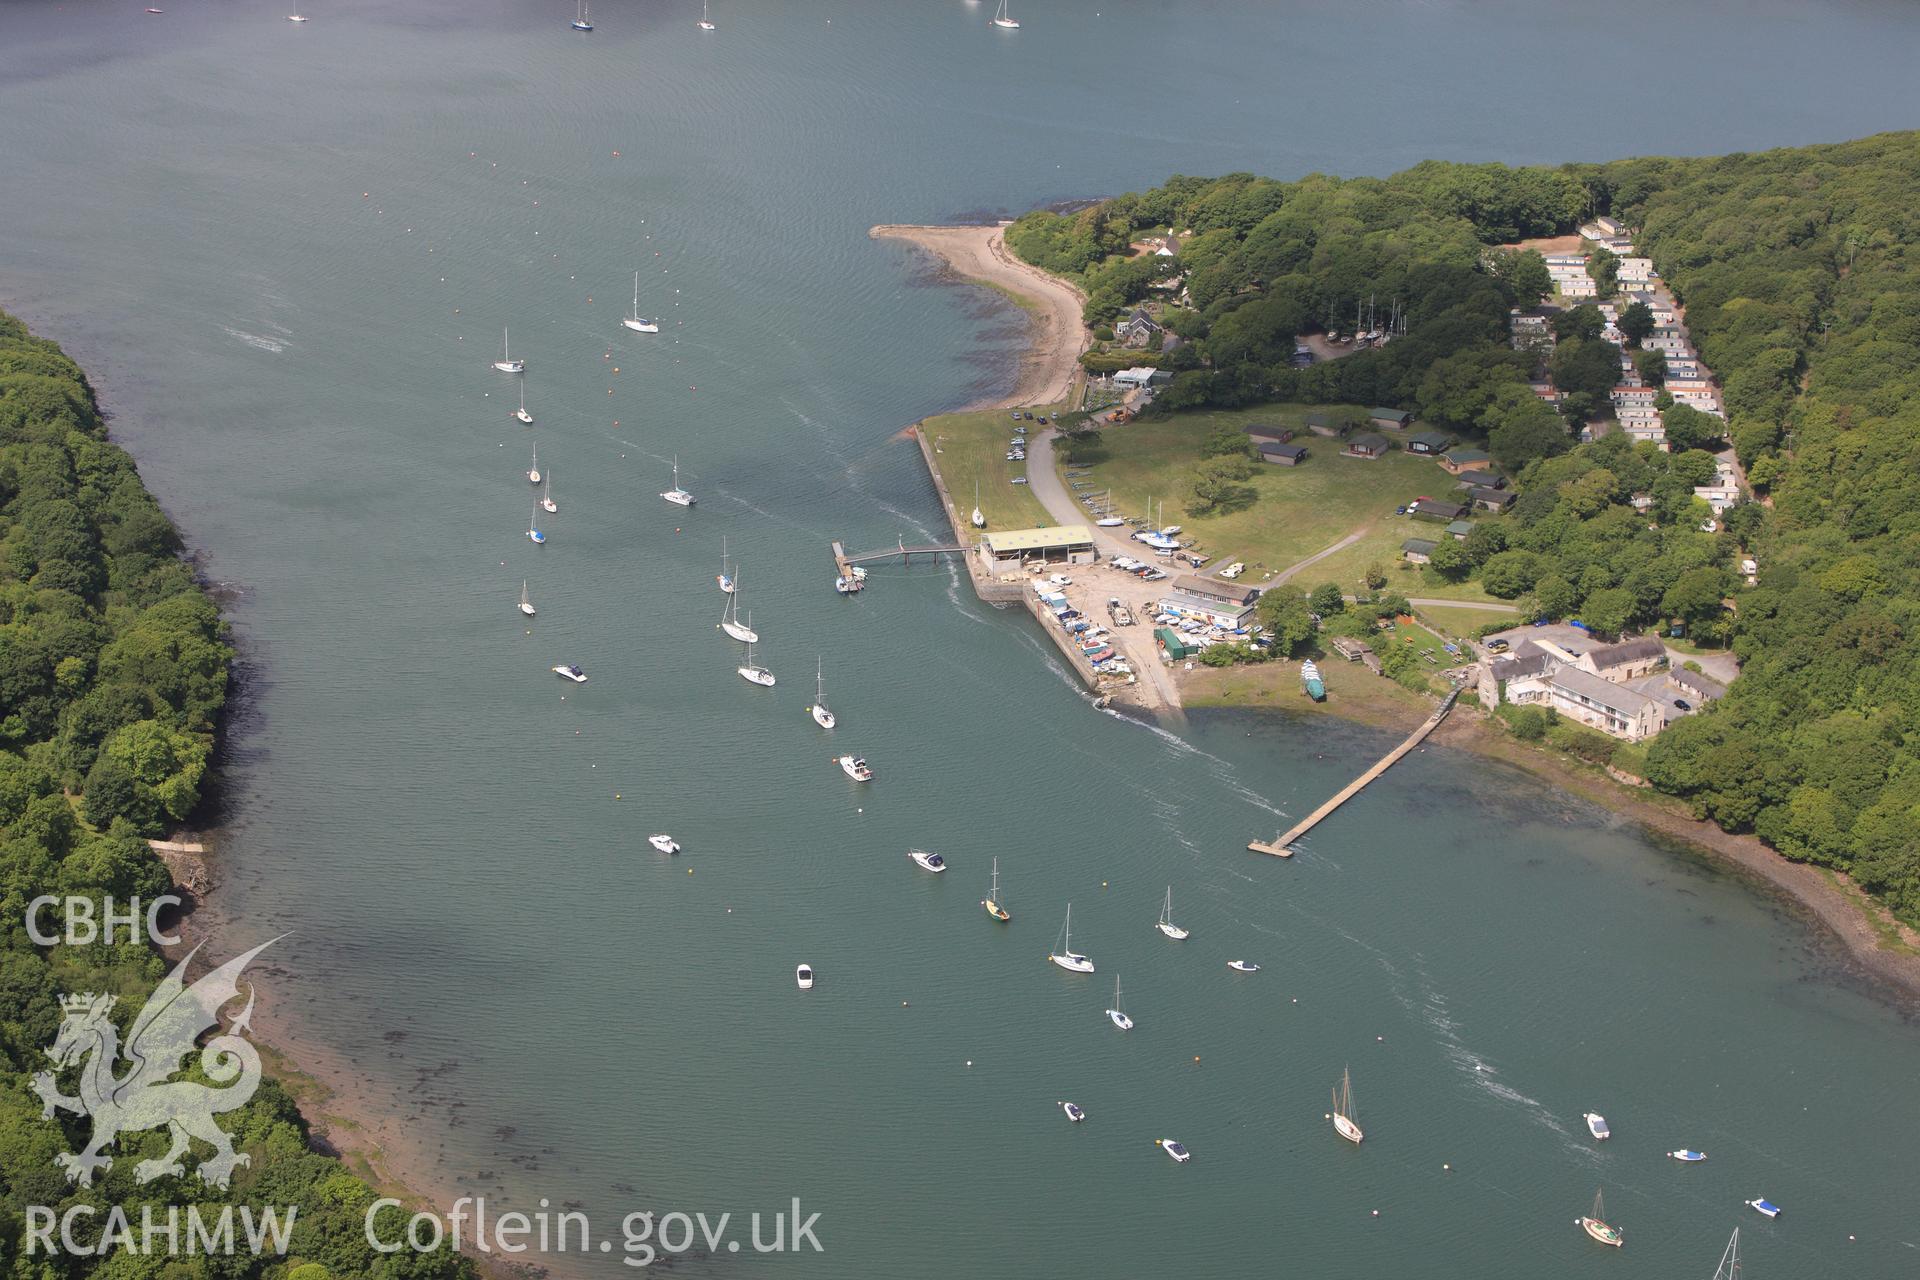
pixel 1111 522
pixel 1243 966
pixel 855 767
pixel 928 861
pixel 1074 1113
pixel 572 673
pixel 1597 1126
pixel 1765 1206
pixel 1179 1153
pixel 664 843
pixel 803 976
pixel 1688 1157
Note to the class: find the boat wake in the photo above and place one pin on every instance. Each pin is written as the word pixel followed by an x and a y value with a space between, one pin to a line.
pixel 259 342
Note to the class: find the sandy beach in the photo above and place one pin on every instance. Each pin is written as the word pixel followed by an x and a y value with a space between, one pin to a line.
pixel 980 255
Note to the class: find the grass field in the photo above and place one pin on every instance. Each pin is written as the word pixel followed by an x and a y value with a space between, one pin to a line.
pixel 972 447
pixel 1300 511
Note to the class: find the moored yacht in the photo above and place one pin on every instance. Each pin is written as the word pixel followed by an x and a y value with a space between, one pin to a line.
pixel 572 673
pixel 506 363
pixel 855 767
pixel 547 504
pixel 730 619
pixel 526 604
pixel 677 495
pixel 633 320
pixel 803 976
pixel 1118 1015
pixel 533 469
pixel 994 907
pixel 1066 957
pixel 1243 966
pixel 1595 1225
pixel 1179 1153
pixel 664 843
pixel 821 716
pixel 753 672
pixel 582 20
pixel 1074 1111
pixel 1002 20
pixel 1343 1110
pixel 927 861
pixel 521 413
pixel 1166 925
pixel 1597 1126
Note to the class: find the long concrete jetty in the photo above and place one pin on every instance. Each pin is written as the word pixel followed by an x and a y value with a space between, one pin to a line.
pixel 1282 847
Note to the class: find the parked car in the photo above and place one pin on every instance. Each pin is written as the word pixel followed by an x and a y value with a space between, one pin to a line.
pixel 1059 580
pixel 1018 480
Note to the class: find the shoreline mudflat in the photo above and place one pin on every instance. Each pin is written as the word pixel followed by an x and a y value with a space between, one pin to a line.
pixel 979 255
pixel 1047 370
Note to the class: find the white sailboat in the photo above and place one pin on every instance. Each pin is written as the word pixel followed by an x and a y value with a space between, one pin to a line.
pixel 506 363
pixel 991 902
pixel 676 495
pixel 521 413
pixel 1066 957
pixel 706 23
pixel 753 671
pixel 546 495
pixel 1118 1014
pixel 724 578
pixel 582 21
pixel 730 620
pixel 821 716
pixel 526 604
pixel 633 320
pixel 533 471
pixel 979 521
pixel 1166 925
pixel 1001 19
pixel 1343 1110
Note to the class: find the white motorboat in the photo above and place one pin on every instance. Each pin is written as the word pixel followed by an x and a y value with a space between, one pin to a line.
pixel 533 469
pixel 1074 1111
pixel 521 413
pixel 574 674
pixel 664 843
pixel 1002 20
pixel 803 976
pixel 1179 1153
pixel 1166 925
pixel 633 320
pixel 730 619
pixel 1066 957
pixel 821 716
pixel 1597 1126
pixel 1118 1015
pixel 1685 1156
pixel 526 604
pixel 753 672
pixel 676 495
pixel 506 363
pixel 547 503
pixel 1243 966
pixel 855 767
pixel 1343 1110
pixel 927 861
pixel 1765 1207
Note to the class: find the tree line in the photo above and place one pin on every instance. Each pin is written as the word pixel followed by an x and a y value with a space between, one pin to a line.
pixel 113 673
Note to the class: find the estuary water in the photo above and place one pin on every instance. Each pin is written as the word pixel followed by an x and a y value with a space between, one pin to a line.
pixel 287 253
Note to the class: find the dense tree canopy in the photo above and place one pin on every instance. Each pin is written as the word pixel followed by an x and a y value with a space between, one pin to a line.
pixel 113 672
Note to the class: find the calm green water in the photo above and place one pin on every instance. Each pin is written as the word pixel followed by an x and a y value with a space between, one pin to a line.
pixel 554 1010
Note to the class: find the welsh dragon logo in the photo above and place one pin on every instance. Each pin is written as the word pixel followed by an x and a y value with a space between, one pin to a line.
pixel 143 1097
